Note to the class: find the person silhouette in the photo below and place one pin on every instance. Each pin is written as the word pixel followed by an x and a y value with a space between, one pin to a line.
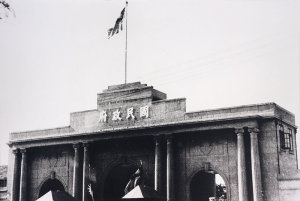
pixel 136 179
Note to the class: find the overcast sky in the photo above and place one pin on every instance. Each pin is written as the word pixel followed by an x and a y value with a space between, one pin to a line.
pixel 55 56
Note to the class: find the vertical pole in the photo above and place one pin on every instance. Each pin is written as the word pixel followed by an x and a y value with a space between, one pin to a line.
pixel 16 176
pixel 126 45
pixel 85 171
pixel 241 163
pixel 170 169
pixel 76 173
pixel 255 165
pixel 157 164
pixel 23 177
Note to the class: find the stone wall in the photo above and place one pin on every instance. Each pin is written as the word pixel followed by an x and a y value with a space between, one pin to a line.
pixel 289 187
pixel 46 160
pixel 218 148
pixel 162 111
pixel 269 160
pixel 288 158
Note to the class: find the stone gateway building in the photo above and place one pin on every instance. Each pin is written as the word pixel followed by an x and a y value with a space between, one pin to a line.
pixel 251 148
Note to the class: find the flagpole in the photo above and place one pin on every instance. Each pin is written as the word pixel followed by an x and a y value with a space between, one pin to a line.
pixel 126 45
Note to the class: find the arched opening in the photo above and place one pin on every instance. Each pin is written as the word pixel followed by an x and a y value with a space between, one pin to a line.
pixel 208 186
pixel 51 185
pixel 116 181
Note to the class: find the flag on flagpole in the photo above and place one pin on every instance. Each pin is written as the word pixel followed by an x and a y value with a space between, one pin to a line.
pixel 118 25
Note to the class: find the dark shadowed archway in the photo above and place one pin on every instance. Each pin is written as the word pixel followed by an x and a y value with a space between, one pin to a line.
pixel 202 186
pixel 51 184
pixel 116 181
pixel 205 185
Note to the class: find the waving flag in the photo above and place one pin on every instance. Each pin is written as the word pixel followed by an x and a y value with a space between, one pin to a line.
pixel 118 25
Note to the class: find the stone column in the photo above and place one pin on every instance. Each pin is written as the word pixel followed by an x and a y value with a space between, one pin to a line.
pixel 23 181
pixel 85 168
pixel 76 172
pixel 255 165
pixel 158 165
pixel 241 165
pixel 16 176
pixel 170 169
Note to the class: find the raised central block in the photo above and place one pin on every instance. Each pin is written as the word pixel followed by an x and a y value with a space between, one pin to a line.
pixel 129 92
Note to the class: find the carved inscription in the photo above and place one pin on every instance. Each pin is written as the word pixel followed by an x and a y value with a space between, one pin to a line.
pixel 119 114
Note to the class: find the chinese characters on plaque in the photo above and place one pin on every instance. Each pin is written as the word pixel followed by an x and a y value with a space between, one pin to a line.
pixel 103 117
pixel 116 114
pixel 130 113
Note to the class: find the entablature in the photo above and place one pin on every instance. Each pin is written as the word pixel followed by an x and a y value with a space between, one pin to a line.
pixel 183 127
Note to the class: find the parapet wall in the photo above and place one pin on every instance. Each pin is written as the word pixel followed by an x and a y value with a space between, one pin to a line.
pixel 264 110
pixel 137 105
pixel 35 134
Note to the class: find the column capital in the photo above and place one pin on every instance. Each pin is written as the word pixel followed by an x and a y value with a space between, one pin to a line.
pixel 253 130
pixel 157 139
pixel 239 131
pixel 76 146
pixel 169 138
pixel 85 145
pixel 23 150
pixel 15 151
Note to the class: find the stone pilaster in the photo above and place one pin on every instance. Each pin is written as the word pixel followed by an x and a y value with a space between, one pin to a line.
pixel 76 172
pixel 23 181
pixel 241 165
pixel 85 168
pixel 158 165
pixel 16 176
pixel 255 165
pixel 170 169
